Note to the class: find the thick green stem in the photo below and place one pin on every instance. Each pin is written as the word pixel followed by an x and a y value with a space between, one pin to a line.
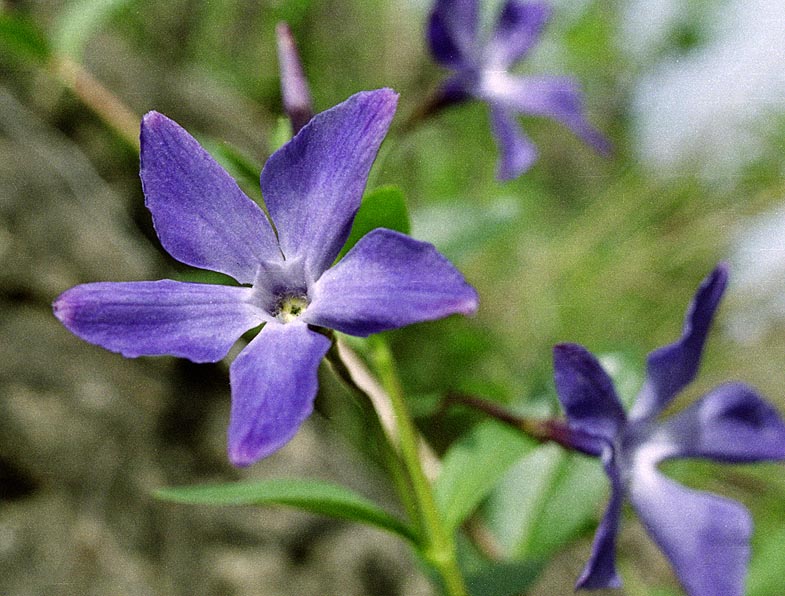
pixel 440 550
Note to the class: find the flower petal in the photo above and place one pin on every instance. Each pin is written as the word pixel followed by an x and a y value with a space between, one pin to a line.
pixel 452 32
pixel 600 570
pixel 673 367
pixel 517 152
pixel 151 318
pixel 518 28
pixel 274 384
pixel 704 536
pixel 586 392
pixel 200 214
pixel 313 185
pixel 388 280
pixel 553 97
pixel 731 423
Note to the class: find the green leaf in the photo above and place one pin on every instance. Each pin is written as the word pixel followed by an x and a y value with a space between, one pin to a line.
pixel 22 39
pixel 310 495
pixel 507 578
pixel 545 501
pixel 244 169
pixel 383 207
pixel 472 467
pixel 765 574
pixel 282 133
pixel 79 21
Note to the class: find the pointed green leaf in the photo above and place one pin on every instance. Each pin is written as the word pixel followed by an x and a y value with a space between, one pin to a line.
pixel 282 133
pixel 22 39
pixel 549 498
pixel 473 466
pixel 315 496
pixel 241 167
pixel 383 207
pixel 244 169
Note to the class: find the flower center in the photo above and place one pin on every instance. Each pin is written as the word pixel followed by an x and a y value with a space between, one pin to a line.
pixel 290 307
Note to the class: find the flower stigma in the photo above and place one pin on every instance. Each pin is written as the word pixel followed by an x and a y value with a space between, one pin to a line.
pixel 291 307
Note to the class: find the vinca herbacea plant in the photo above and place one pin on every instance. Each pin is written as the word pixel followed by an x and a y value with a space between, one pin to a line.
pixel 321 266
pixel 705 537
pixel 482 71
pixel 312 188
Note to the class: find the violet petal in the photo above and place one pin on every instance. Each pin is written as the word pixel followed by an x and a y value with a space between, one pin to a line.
pixel 600 570
pixel 516 152
pixel 200 214
pixel 673 367
pixel 517 30
pixel 553 97
pixel 586 392
pixel 731 424
pixel 452 32
pixel 705 537
pixel 150 318
pixel 313 185
pixel 274 384
pixel 388 280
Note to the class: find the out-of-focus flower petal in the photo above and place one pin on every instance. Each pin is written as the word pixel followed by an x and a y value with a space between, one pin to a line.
pixel 200 214
pixel 517 152
pixel 559 98
pixel 313 185
pixel 705 537
pixel 386 281
pixel 517 30
pixel 274 384
pixel 295 94
pixel 731 424
pixel 452 32
pixel 673 367
pixel 600 570
pixel 150 318
pixel 586 392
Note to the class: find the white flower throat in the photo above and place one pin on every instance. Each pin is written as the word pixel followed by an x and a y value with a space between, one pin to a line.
pixel 290 307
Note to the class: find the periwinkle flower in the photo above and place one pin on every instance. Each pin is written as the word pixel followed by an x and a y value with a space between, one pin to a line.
pixel 312 188
pixel 705 537
pixel 482 71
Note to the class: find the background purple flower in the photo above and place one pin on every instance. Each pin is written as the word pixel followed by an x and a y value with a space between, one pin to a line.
pixel 312 189
pixel 482 68
pixel 704 536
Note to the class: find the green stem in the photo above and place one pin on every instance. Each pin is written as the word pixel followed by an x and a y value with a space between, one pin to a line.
pixel 392 460
pixel 440 549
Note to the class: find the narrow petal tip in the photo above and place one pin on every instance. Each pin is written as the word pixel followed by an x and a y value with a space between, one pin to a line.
pixel 153 118
pixel 295 94
pixel 588 582
pixel 63 309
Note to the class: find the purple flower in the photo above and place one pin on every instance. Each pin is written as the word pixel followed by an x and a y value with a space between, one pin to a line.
pixel 482 72
pixel 312 188
pixel 704 536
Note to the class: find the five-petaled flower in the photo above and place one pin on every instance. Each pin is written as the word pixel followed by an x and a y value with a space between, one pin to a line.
pixel 482 72
pixel 704 536
pixel 312 189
